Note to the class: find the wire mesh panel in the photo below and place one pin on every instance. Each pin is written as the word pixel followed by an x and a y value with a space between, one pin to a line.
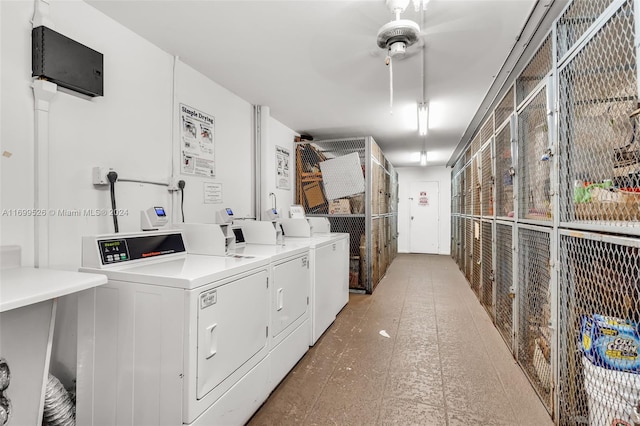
pixel 468 249
pixel 467 154
pixel 476 172
pixel 535 71
pixel 600 168
pixel 355 227
pixel 393 195
pixel 576 20
pixel 476 143
pixel 315 189
pixel 504 174
pixel 393 223
pixel 534 312
pixel 504 109
pixel 468 202
pixel 599 300
pixel 487 129
pixel 486 295
pixel 487 181
pixel 462 226
pixel 476 273
pixel 534 167
pixel 504 282
pixel 455 201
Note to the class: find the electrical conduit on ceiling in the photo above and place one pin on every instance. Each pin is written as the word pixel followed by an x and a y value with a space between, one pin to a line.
pixel 43 93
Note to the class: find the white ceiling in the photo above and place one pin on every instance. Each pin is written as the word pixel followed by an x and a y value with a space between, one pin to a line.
pixel 316 64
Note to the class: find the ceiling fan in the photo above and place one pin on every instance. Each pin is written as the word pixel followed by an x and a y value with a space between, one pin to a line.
pixel 396 36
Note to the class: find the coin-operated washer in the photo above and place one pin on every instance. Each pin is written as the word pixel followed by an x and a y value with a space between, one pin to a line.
pixel 290 286
pixel 329 263
pixel 172 338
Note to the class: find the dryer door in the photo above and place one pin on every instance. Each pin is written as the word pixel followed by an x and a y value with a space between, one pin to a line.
pixel 291 281
pixel 232 327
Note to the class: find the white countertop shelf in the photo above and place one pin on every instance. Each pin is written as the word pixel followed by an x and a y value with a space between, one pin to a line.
pixel 22 286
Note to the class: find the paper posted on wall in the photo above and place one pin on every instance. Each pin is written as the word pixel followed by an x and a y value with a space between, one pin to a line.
pixel 197 142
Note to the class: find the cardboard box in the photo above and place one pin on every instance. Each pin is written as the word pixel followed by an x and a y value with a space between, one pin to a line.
pixel 313 195
pixel 341 206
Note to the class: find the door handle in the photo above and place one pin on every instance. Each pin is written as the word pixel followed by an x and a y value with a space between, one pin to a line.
pixel 213 340
pixel 280 299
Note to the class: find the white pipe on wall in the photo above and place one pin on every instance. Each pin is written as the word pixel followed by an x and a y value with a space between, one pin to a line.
pixel 43 93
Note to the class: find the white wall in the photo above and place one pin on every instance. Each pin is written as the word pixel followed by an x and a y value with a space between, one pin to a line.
pixel 407 175
pixel 277 135
pixel 131 129
pixel 233 145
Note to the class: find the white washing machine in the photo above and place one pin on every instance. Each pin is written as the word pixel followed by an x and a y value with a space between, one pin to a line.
pixel 290 286
pixel 329 263
pixel 172 338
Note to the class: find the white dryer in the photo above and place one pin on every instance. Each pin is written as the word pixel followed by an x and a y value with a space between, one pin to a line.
pixel 290 285
pixel 172 338
pixel 329 263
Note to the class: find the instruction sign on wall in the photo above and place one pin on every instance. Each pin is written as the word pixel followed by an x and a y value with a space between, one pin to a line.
pixel 197 142
pixel 212 193
pixel 283 172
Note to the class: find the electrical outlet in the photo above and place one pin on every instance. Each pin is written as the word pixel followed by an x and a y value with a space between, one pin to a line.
pixel 100 175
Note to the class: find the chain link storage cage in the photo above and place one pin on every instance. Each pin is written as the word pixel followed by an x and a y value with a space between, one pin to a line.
pixel 535 72
pixel 504 174
pixel 393 223
pixel 476 183
pixel 311 185
pixel 375 251
pixel 575 21
pixel 486 288
pixel 534 166
pixel 468 248
pixel 487 180
pixel 599 313
pixel 335 190
pixel 476 273
pixel 354 226
pixel 504 109
pixel 460 247
pixel 504 281
pixel 534 310
pixel 468 202
pixel 600 165
pixel 487 130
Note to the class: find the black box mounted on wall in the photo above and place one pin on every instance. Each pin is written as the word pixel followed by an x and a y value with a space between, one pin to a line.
pixel 66 62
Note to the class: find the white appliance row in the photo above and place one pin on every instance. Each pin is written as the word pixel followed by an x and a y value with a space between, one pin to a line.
pixel 176 338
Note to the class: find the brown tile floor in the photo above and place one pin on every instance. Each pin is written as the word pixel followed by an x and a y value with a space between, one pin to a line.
pixel 443 364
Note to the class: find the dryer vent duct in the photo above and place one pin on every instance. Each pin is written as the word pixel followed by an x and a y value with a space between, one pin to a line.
pixel 59 410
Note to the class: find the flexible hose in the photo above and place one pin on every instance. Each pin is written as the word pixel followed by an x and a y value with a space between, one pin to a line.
pixel 58 407
pixel 182 204
pixel 113 177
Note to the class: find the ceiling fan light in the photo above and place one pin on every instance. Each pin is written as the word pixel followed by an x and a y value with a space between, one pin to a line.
pixel 399 48
pixel 423 118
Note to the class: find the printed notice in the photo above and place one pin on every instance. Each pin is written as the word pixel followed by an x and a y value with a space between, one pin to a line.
pixel 197 142
pixel 283 172
pixel 212 193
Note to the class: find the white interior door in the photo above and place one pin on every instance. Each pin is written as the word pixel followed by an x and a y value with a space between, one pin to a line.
pixel 424 227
